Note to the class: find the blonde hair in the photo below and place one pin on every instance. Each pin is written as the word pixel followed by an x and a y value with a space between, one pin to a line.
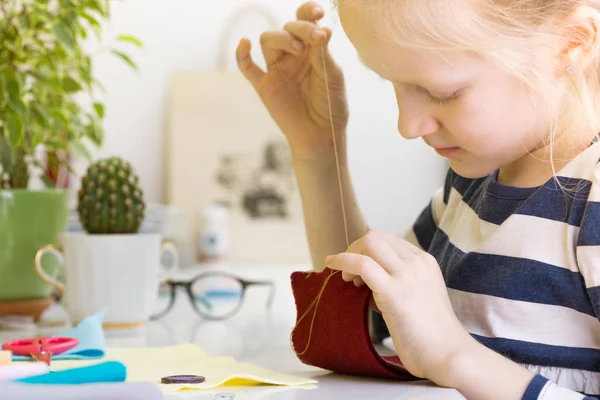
pixel 516 34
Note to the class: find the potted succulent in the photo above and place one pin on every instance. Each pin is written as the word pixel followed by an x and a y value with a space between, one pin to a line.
pixel 49 112
pixel 110 200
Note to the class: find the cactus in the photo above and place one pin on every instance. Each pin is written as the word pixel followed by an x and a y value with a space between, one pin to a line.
pixel 110 200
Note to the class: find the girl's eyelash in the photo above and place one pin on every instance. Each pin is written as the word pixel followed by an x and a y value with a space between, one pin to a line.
pixel 435 100
pixel 441 101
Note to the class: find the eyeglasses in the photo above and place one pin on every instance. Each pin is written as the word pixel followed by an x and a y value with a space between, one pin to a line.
pixel 215 295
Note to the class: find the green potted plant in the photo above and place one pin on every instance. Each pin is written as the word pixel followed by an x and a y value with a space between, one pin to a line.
pixel 48 102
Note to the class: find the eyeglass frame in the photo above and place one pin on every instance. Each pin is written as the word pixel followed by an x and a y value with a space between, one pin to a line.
pixel 187 285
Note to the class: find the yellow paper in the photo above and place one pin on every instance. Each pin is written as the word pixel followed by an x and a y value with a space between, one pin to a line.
pixel 150 364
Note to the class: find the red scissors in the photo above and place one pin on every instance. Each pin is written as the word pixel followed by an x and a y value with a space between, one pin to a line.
pixel 40 348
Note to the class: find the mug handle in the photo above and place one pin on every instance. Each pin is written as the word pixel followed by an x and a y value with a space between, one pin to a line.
pixel 40 271
pixel 169 248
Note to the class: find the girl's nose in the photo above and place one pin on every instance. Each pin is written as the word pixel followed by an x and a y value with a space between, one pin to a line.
pixel 415 117
pixel 415 126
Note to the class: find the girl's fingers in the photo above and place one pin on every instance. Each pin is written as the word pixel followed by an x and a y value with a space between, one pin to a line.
pixel 307 32
pixel 357 264
pixel 374 245
pixel 309 11
pixel 248 68
pixel 316 39
pixel 358 281
pixel 348 277
pixel 276 44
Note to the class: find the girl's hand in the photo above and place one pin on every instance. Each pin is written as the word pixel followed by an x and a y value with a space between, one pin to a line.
pixel 409 290
pixel 293 87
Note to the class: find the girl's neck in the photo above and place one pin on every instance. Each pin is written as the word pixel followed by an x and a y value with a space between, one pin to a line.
pixel 540 165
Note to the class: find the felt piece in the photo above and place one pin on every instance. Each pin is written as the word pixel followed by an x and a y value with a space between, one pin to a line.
pixel 105 372
pixel 91 339
pixel 151 364
pixel 340 340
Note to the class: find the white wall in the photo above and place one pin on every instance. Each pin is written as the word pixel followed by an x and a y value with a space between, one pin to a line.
pixel 394 178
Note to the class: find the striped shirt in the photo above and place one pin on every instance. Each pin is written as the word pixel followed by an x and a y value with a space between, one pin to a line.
pixel 522 267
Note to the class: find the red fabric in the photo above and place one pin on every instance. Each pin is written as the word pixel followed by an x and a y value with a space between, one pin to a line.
pixel 340 340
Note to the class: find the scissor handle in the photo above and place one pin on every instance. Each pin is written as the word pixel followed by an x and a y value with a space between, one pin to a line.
pixel 53 345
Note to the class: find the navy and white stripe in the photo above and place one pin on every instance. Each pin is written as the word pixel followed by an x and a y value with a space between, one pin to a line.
pixel 522 267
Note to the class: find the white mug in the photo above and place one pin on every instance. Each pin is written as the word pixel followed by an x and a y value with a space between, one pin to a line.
pixel 120 273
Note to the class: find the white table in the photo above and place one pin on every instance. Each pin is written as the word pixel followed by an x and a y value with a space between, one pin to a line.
pixel 262 337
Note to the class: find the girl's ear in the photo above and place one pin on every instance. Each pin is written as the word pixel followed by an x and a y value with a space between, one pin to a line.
pixel 580 42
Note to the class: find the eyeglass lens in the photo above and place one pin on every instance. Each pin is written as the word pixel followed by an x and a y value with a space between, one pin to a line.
pixel 214 296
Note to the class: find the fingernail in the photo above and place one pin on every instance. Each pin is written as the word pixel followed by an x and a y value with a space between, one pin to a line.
pixel 318 34
pixel 328 259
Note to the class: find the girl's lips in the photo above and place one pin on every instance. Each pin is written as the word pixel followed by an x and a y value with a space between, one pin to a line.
pixel 447 151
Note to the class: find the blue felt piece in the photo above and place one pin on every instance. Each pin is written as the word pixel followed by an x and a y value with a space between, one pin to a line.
pixel 111 371
pixel 89 333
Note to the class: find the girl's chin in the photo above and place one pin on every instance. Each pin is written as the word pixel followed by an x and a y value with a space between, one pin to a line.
pixel 470 169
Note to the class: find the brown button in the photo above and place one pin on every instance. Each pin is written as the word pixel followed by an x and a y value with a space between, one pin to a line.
pixel 183 379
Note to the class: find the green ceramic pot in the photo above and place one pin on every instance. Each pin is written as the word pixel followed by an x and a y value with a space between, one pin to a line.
pixel 29 219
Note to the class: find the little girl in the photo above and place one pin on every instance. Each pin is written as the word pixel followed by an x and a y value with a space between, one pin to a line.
pixel 495 291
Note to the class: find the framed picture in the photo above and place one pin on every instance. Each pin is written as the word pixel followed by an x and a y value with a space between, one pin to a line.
pixel 222 147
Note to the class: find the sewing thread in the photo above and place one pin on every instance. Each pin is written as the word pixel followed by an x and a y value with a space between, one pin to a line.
pixel 315 303
pixel 335 149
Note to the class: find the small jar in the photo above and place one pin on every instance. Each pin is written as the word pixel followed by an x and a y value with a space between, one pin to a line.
pixel 214 233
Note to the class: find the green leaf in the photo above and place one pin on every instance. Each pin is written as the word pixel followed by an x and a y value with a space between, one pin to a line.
pixel 97 6
pixel 56 144
pixel 13 89
pixel 13 127
pixel 6 156
pixel 100 85
pixel 85 71
pixel 24 21
pixel 80 149
pixel 93 23
pixel 42 111
pixel 91 20
pixel 71 17
pixel 63 120
pixel 95 134
pixel 46 180
pixel 125 58
pixel 130 39
pixel 99 108
pixel 63 35
pixel 70 85
pixel 37 137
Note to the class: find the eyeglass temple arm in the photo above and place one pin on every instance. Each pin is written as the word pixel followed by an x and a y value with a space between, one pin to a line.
pixel 264 283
